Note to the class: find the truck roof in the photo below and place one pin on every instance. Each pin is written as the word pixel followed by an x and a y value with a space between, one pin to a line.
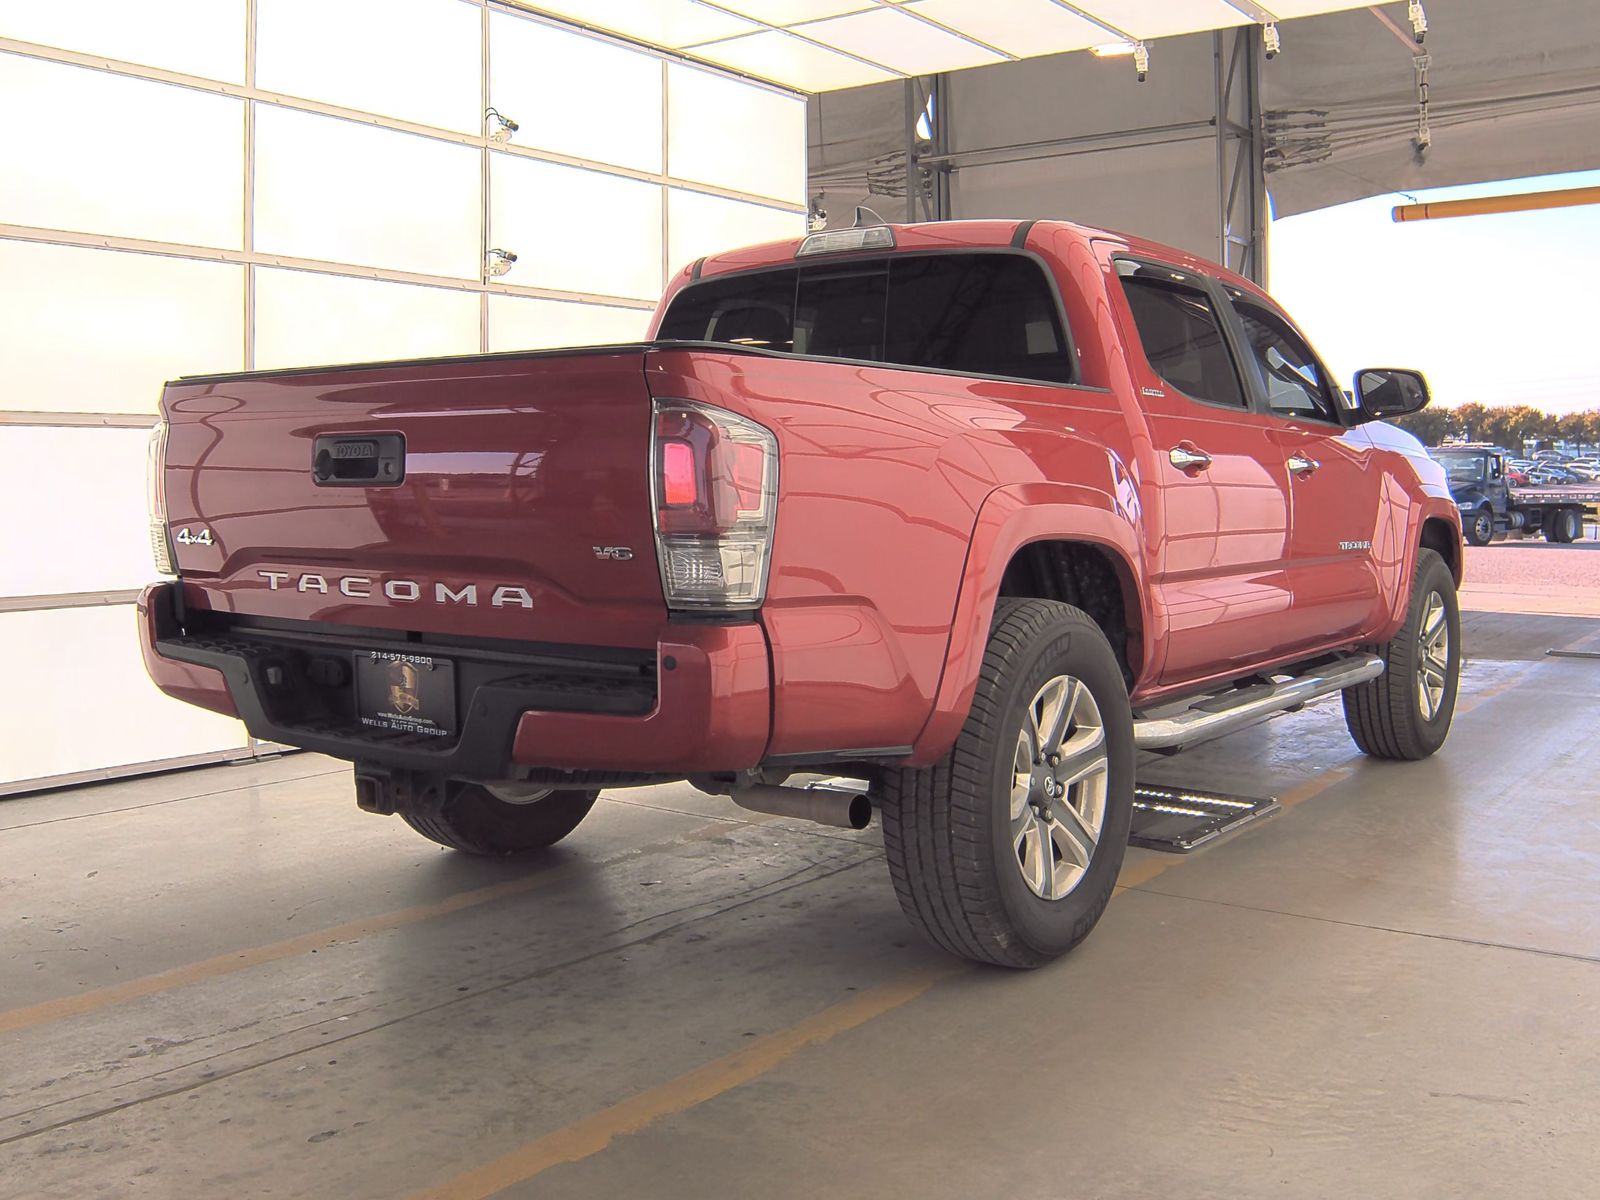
pixel 989 233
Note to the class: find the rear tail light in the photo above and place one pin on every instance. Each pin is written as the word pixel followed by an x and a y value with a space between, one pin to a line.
pixel 715 481
pixel 156 499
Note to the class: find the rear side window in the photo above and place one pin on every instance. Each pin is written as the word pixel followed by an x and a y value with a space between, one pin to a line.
pixel 748 310
pixel 1182 338
pixel 982 314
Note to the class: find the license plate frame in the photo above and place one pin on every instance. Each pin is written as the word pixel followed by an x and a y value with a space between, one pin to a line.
pixel 405 693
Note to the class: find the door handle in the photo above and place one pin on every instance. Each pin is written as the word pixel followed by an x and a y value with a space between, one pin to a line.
pixel 1188 460
pixel 1299 464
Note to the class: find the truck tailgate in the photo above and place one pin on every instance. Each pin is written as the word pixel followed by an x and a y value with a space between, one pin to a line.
pixel 509 496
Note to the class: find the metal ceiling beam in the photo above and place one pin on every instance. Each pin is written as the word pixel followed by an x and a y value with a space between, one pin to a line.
pixel 1241 176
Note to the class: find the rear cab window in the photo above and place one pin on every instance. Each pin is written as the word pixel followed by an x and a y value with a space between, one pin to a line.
pixel 990 314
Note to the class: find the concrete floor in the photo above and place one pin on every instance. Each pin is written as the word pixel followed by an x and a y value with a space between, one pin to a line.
pixel 231 983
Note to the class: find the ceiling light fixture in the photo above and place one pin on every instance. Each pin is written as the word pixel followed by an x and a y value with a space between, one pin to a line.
pixel 1139 51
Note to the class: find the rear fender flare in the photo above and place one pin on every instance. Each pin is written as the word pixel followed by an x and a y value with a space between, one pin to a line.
pixel 1011 518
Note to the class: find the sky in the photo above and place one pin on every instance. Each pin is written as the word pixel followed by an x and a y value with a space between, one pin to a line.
pixel 1501 309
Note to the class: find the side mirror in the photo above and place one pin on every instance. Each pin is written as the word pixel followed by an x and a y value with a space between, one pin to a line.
pixel 1390 392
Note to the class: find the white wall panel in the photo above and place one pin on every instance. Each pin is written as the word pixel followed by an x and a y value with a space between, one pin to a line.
pixel 416 59
pixel 698 225
pixel 99 153
pixel 576 230
pixel 576 95
pixel 85 702
pixel 735 135
pixel 97 331
pixel 75 505
pixel 333 189
pixel 303 319
pixel 196 37
pixel 518 323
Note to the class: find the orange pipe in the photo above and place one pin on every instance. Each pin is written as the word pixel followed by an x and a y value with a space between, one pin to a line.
pixel 1525 202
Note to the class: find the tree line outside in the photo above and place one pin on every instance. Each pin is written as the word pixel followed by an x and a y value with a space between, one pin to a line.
pixel 1508 425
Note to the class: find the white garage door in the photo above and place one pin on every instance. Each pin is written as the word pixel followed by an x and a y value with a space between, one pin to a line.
pixel 208 185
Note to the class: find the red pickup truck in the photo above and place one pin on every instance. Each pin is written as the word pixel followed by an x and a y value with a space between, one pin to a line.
pixel 969 512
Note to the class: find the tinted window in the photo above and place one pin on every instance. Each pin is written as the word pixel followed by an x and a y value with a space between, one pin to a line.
pixel 746 310
pixel 1182 338
pixel 1290 375
pixel 840 313
pixel 984 314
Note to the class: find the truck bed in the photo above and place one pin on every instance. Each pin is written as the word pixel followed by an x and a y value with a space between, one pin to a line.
pixel 1557 493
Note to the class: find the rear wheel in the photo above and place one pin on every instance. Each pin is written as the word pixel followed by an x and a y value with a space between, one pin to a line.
pixel 1405 713
pixel 472 818
pixel 1565 527
pixel 1480 530
pixel 1006 851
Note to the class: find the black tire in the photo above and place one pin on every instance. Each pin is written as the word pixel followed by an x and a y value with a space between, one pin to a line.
pixel 471 818
pixel 1565 527
pixel 1385 715
pixel 1480 530
pixel 947 829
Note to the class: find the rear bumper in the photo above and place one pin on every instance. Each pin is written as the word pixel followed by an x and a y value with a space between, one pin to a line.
pixel 710 709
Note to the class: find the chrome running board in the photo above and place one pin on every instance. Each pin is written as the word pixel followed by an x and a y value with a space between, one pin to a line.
pixel 1222 713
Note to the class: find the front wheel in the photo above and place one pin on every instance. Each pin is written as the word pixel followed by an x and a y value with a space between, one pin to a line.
pixel 1006 851
pixel 472 818
pixel 1405 713
pixel 1480 530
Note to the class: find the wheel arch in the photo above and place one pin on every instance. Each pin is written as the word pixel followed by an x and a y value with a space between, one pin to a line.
pixel 1043 541
pixel 1439 536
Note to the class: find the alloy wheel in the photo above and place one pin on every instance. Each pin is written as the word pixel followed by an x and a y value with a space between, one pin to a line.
pixel 1433 656
pixel 1058 789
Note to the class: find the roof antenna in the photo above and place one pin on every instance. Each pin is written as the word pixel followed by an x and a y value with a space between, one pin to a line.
pixel 862 213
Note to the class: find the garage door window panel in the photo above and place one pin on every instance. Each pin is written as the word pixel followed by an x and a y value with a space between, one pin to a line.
pixel 153 318
pixel 516 323
pixel 563 106
pixel 195 37
pixel 698 225
pixel 75 499
pixel 708 112
pixel 303 318
pixel 344 192
pixel 420 60
pixel 93 707
pixel 576 230
pixel 165 163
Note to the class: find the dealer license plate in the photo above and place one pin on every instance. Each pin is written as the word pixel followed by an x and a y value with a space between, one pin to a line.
pixel 406 693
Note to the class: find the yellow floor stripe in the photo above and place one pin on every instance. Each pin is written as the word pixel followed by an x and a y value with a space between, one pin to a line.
pixel 241 960
pixel 594 1133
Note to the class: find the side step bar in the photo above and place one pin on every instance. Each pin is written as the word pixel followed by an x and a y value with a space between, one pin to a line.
pixel 1216 715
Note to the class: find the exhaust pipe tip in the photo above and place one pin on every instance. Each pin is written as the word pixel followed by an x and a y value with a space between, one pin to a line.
pixel 839 807
pixel 857 812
